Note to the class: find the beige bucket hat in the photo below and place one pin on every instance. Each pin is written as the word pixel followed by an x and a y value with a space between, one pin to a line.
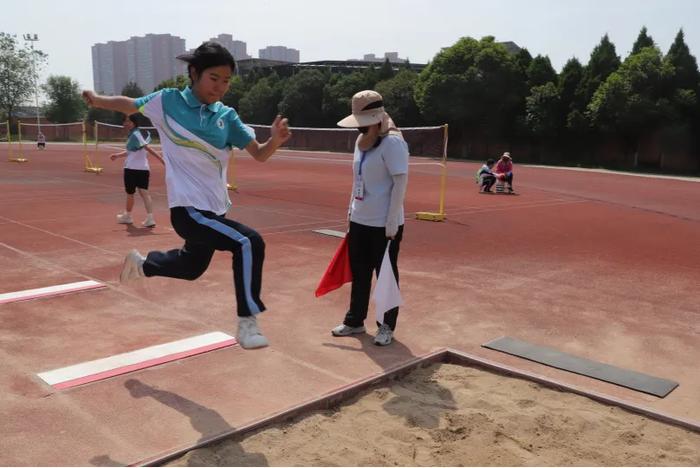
pixel 367 109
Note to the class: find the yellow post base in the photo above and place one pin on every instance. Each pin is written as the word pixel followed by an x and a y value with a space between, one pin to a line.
pixel 232 187
pixel 95 170
pixel 427 216
pixel 19 160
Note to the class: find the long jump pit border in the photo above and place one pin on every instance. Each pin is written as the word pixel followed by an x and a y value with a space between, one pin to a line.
pixel 439 356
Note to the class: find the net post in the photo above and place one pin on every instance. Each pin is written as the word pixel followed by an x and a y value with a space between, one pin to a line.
pixel 443 181
pixel 20 158
pixel 89 166
pixel 9 141
pixel 440 215
pixel 85 151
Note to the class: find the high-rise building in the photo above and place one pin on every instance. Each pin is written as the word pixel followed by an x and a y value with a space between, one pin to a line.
pixel 280 53
pixel 238 49
pixel 146 61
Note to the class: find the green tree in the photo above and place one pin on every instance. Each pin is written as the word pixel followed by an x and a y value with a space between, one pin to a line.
pixel 18 73
pixel 338 92
pixel 577 124
pixel 399 102
pixel 603 62
pixel 473 85
pixel 65 102
pixel 543 106
pixel 569 81
pixel 372 76
pixel 643 40
pixel 684 85
pixel 180 82
pixel 523 59
pixel 685 74
pixel 303 98
pixel 632 101
pixel 235 93
pixel 260 104
pixel 386 71
pixel 540 72
pixel 132 90
pixel 571 105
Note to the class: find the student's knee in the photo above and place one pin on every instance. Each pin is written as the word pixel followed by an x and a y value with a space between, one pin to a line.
pixel 195 272
pixel 257 243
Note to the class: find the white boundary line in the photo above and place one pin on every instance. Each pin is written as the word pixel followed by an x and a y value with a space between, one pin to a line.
pixel 611 172
pixel 119 364
pixel 49 291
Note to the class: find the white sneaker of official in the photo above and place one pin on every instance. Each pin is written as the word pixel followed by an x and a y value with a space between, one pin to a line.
pixel 344 330
pixel 384 335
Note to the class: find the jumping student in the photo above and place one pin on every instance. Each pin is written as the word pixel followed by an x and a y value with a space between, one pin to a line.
pixel 136 171
pixel 197 132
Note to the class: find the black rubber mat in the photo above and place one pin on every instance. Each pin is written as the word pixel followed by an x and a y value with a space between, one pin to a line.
pixel 551 357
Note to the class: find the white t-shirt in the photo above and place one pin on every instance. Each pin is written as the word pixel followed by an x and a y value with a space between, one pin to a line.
pixel 196 141
pixel 378 166
pixel 136 156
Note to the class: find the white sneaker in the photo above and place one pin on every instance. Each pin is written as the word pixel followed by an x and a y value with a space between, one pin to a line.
pixel 133 266
pixel 249 335
pixel 344 330
pixel 384 335
pixel 124 218
pixel 149 221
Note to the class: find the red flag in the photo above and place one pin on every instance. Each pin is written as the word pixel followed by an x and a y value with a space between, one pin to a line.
pixel 338 272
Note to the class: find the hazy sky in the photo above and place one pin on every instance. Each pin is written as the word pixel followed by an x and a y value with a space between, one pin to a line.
pixel 330 29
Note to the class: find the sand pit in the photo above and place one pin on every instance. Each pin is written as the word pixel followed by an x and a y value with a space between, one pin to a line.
pixel 450 415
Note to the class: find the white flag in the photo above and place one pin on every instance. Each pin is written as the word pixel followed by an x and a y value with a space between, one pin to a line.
pixel 386 292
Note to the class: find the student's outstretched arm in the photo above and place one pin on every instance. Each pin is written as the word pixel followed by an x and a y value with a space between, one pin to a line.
pixel 279 135
pixel 123 104
pixel 155 155
pixel 117 155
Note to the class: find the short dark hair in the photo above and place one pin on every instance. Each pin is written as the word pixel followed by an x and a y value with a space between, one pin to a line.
pixel 209 54
pixel 490 162
pixel 135 119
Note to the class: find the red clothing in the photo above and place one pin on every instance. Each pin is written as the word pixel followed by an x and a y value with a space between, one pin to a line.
pixel 504 167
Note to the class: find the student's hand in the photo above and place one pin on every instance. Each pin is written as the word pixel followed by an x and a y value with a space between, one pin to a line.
pixel 113 157
pixel 279 132
pixel 89 97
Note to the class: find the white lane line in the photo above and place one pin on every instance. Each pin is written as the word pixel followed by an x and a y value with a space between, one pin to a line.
pixel 119 364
